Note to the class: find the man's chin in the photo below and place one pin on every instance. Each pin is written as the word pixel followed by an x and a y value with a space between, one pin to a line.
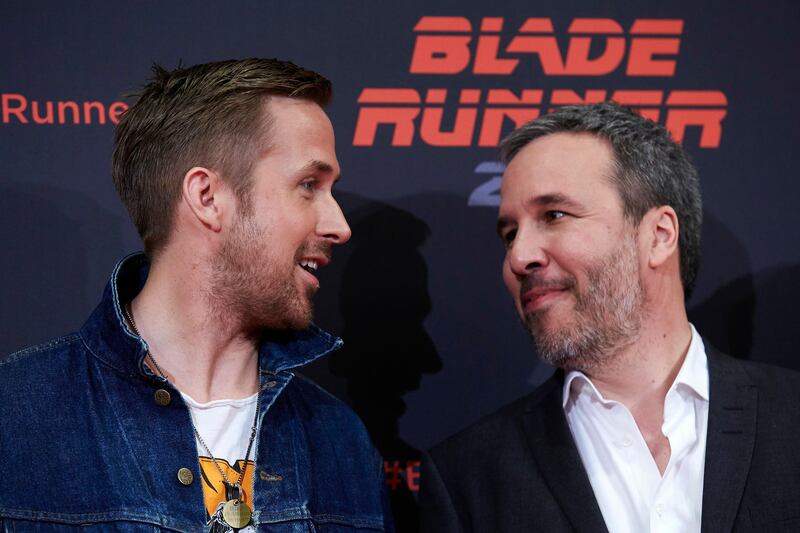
pixel 553 342
pixel 296 318
pixel 299 325
pixel 541 323
pixel 299 319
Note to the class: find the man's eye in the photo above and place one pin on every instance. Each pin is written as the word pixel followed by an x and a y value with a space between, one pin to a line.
pixel 308 184
pixel 554 215
pixel 508 237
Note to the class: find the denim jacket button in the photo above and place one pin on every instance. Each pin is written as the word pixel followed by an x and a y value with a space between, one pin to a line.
pixel 162 397
pixel 185 476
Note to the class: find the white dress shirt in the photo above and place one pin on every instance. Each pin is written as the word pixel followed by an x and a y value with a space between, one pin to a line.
pixel 632 494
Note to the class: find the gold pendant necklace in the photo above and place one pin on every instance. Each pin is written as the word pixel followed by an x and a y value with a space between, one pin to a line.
pixel 235 512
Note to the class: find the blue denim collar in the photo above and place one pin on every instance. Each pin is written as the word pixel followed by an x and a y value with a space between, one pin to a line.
pixel 108 337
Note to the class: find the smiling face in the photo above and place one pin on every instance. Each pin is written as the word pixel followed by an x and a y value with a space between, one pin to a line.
pixel 572 260
pixel 265 268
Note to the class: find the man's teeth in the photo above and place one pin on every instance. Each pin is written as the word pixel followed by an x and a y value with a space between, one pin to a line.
pixel 308 264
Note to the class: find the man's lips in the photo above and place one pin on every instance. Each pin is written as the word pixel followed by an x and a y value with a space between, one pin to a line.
pixel 535 299
pixel 311 257
pixel 309 265
pixel 309 277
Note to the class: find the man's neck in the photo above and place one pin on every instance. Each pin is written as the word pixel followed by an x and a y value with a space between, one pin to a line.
pixel 640 375
pixel 645 369
pixel 203 355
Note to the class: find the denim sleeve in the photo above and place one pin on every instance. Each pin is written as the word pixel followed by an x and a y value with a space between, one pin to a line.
pixel 388 520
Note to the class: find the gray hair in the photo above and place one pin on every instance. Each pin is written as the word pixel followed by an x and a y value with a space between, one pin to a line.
pixel 651 169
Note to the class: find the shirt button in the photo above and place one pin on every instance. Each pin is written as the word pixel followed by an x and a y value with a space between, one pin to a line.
pixel 162 397
pixel 270 384
pixel 626 441
pixel 659 509
pixel 185 476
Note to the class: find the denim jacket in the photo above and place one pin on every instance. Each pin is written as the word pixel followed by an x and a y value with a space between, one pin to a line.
pixel 85 445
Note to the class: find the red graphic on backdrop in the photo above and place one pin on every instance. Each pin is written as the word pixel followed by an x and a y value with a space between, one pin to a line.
pixel 646 40
pixel 402 474
pixel 594 47
pixel 17 108
pixel 483 124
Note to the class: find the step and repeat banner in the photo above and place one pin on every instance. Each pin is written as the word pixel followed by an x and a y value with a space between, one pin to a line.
pixel 423 92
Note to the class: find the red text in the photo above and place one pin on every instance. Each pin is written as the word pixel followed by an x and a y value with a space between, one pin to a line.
pixel 483 117
pixel 16 108
pixel 448 45
pixel 402 474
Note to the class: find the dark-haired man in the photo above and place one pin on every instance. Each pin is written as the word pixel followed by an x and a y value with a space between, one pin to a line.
pixel 176 405
pixel 645 427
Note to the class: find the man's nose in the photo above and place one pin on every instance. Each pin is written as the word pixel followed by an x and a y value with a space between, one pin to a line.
pixel 526 253
pixel 332 224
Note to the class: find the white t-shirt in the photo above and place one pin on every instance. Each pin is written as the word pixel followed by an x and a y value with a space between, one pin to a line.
pixel 225 426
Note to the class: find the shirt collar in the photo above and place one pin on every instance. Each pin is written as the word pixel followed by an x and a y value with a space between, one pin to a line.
pixel 107 334
pixel 692 374
pixel 581 381
pixel 694 370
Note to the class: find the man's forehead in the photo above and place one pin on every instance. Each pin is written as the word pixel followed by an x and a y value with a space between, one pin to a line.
pixel 295 109
pixel 564 150
pixel 565 169
pixel 300 132
pixel 559 160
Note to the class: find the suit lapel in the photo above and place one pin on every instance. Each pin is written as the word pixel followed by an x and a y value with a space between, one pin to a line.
pixel 733 404
pixel 558 459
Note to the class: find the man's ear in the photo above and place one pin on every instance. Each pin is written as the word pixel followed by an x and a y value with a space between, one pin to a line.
pixel 206 195
pixel 661 230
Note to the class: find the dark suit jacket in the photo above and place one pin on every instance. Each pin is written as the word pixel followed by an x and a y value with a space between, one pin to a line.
pixel 519 470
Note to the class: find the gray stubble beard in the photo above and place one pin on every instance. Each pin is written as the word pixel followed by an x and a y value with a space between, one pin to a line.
pixel 607 315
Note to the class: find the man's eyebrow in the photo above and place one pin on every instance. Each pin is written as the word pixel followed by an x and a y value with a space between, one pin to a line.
pixel 543 200
pixel 318 166
pixel 546 200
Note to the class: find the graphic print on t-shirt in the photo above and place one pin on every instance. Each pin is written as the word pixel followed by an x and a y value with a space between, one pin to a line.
pixel 214 484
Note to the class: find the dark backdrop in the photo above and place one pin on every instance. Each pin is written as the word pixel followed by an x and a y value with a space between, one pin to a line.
pixel 432 342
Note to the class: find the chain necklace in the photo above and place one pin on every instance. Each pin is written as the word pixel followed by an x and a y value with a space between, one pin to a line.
pixel 234 512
